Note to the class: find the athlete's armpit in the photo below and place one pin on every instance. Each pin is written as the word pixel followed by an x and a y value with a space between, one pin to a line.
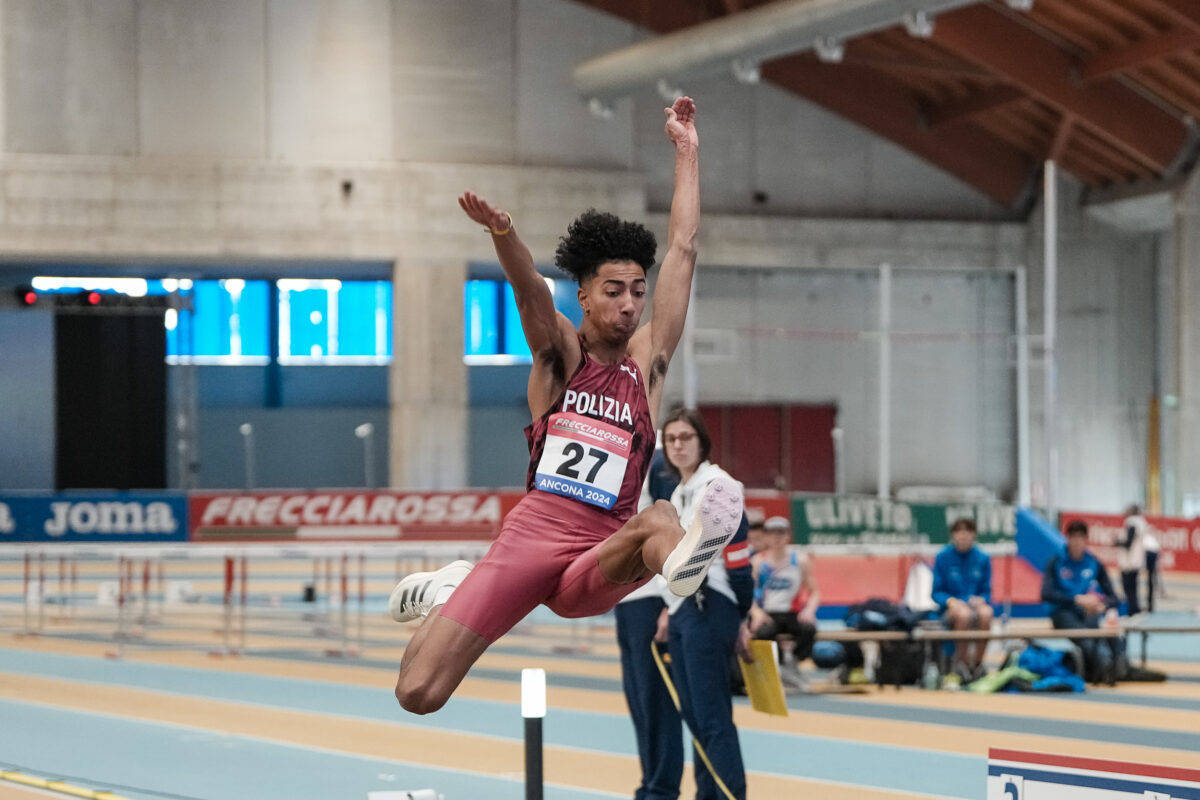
pixel 658 371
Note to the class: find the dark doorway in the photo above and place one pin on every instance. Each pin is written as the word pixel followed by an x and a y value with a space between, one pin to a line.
pixel 111 399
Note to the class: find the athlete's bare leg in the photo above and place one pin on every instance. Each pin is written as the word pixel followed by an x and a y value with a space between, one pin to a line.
pixel 436 660
pixel 640 546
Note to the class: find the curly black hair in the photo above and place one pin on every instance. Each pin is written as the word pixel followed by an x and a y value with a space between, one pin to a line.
pixel 595 238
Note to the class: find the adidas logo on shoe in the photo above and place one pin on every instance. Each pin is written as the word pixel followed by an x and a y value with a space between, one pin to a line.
pixel 416 594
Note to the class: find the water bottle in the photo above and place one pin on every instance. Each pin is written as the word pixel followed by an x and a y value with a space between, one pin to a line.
pixel 932 676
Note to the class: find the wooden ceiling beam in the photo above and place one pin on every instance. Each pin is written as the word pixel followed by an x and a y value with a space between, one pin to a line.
pixel 876 102
pixel 987 37
pixel 1184 13
pixel 1111 62
pixel 974 105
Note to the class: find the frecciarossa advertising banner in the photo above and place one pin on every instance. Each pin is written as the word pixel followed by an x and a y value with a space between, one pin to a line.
pixel 293 515
pixel 1178 538
pixel 93 517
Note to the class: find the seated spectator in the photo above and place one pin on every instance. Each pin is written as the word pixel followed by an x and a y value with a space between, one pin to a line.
pixel 1079 592
pixel 962 588
pixel 786 597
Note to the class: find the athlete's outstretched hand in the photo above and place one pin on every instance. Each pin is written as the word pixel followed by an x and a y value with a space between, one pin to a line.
pixel 482 212
pixel 681 122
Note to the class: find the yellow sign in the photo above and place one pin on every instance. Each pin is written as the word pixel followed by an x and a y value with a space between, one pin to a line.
pixel 762 679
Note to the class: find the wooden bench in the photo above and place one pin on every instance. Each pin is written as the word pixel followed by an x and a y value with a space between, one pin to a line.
pixel 930 636
pixel 1146 630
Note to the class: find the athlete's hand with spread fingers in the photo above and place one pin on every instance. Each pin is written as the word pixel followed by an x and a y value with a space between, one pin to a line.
pixel 681 123
pixel 481 211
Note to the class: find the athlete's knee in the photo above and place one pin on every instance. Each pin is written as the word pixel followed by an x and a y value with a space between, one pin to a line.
pixel 664 509
pixel 985 616
pixel 420 696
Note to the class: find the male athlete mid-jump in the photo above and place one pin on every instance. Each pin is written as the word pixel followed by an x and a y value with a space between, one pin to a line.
pixel 574 541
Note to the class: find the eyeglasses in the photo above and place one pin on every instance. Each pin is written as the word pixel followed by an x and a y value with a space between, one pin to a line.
pixel 681 438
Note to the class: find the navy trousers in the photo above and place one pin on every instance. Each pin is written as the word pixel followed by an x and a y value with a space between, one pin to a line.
pixel 702 640
pixel 1102 658
pixel 655 720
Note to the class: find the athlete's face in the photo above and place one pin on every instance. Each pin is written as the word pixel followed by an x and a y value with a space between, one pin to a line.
pixel 963 539
pixel 613 299
pixel 682 445
pixel 1076 544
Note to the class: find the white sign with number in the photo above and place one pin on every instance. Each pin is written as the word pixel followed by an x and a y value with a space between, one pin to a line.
pixel 584 459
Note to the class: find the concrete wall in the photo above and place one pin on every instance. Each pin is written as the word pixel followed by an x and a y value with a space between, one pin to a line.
pixel 1106 357
pixel 227 131
pixel 467 81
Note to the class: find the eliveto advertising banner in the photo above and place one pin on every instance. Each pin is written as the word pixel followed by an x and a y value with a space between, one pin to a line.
pixel 348 515
pixel 830 519
pixel 93 517
pixel 1179 538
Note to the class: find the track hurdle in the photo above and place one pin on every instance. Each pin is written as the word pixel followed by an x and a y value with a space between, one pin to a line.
pixel 230 617
pixel 1019 775
pixel 25 598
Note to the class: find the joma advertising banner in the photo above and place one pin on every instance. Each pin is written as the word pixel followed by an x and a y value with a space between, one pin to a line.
pixel 347 515
pixel 1179 538
pixel 867 520
pixel 89 517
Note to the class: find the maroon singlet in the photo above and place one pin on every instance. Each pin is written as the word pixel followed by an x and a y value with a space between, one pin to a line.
pixel 588 458
pixel 577 446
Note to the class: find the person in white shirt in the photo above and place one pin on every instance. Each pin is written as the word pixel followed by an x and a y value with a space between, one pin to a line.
pixel 1131 555
pixel 706 629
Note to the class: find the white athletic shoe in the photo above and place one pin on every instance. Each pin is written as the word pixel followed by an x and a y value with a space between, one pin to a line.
pixel 718 515
pixel 414 595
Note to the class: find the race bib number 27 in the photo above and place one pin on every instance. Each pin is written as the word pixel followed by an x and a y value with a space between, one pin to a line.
pixel 584 459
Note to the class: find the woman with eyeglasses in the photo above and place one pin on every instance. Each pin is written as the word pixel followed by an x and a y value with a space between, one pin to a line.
pixel 706 629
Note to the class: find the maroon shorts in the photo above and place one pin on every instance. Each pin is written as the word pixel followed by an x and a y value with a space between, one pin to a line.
pixel 545 553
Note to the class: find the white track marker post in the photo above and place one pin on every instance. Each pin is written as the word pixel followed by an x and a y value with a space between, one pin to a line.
pixel 533 709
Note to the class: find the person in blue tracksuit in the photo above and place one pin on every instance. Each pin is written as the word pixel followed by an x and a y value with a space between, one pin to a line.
pixel 641 619
pixel 707 628
pixel 1080 594
pixel 962 588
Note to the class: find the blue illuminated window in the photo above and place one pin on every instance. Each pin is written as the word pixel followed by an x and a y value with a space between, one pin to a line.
pixel 492 332
pixel 335 322
pixel 227 322
pixel 481 320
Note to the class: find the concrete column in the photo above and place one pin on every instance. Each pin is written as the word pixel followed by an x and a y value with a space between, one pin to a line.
pixel 428 381
pixel 1184 412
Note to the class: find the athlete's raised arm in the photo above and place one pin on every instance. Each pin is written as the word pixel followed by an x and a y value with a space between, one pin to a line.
pixel 655 343
pixel 539 319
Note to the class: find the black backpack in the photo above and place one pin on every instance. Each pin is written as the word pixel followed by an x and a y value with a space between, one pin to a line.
pixel 900 663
